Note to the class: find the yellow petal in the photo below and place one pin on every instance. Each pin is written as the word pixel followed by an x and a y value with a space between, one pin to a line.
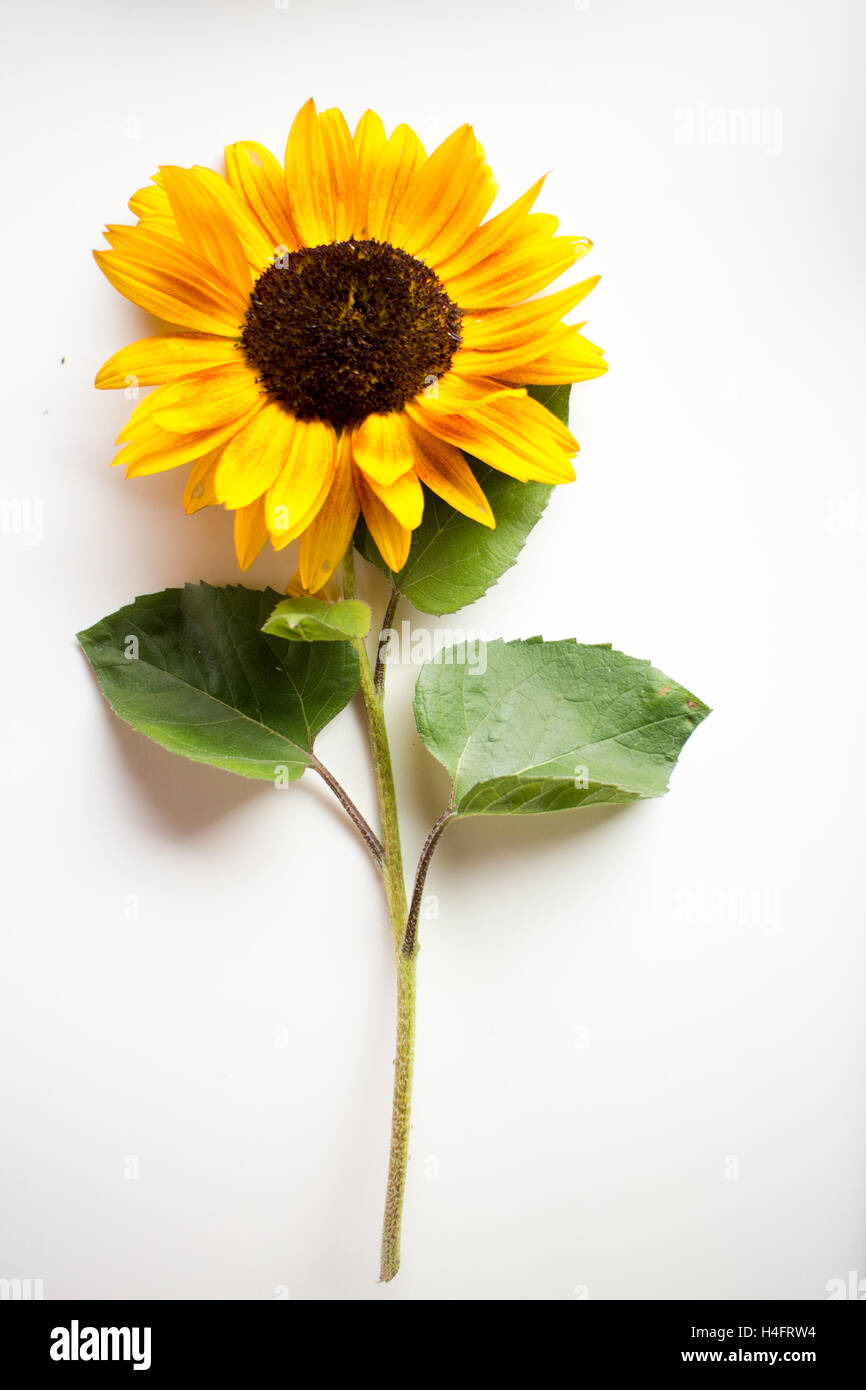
pixel 521 323
pixel 206 400
pixel 258 179
pixel 445 200
pixel 151 206
pixel 322 176
pixel 370 144
pixel 303 483
pixel 572 358
pixel 205 225
pixel 443 469
pixel 518 437
pixel 199 491
pixel 389 180
pixel 392 539
pixel 162 276
pixel 382 448
pixel 329 535
pixel 250 532
pixel 492 237
pixel 153 360
pixel 153 450
pixel 404 498
pixel 254 456
pixel 529 264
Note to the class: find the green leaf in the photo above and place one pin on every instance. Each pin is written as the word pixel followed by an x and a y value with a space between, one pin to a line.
pixel 191 669
pixel 454 560
pixel 314 620
pixel 543 726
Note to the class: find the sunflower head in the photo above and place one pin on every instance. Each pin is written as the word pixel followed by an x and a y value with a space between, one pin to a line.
pixel 346 325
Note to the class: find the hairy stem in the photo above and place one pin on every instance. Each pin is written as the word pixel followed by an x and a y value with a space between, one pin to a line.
pixel 379 673
pixel 395 894
pixel 370 838
pixel 410 936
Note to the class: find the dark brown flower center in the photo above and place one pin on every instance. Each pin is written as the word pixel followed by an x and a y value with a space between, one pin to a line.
pixel 349 330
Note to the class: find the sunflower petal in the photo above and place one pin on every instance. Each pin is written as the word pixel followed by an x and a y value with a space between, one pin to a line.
pixel 404 498
pixel 445 199
pixel 329 535
pixel 254 456
pixel 529 264
pixel 200 491
pixel 492 237
pixel 572 358
pixel 392 538
pixel 303 483
pixel 161 275
pixel 250 532
pixel 154 360
pixel 257 178
pixel 154 450
pixel 322 176
pixel 370 144
pixel 443 469
pixel 206 400
pixel 521 323
pixel 382 448
pixel 518 437
pixel 205 225
pixel 403 154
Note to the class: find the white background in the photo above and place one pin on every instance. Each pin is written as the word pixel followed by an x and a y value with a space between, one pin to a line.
pixel 641 1034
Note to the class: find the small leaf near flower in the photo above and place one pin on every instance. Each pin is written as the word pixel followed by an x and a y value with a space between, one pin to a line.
pixel 307 619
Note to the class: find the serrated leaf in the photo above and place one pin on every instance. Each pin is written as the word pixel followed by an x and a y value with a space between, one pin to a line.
pixel 192 670
pixel 314 620
pixel 533 726
pixel 454 560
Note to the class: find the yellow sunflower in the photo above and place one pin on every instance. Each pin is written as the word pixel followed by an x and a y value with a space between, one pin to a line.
pixel 350 324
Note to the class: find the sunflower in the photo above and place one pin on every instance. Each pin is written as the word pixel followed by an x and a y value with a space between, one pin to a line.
pixel 343 328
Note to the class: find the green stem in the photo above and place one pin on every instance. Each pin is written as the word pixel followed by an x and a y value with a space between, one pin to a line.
pixel 398 911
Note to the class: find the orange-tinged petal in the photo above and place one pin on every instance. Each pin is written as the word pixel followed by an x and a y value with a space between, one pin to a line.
pixel 257 247
pixel 392 539
pixel 494 236
pixel 322 176
pixel 200 491
pixel 404 498
pixel 327 538
pixel 259 180
pixel 528 265
pixel 403 154
pixel 518 437
pixel 154 360
pixel 572 358
pixel 161 275
pixel 443 469
pixel 382 447
pixel 204 224
pixel 151 206
pixel 453 394
pixel 521 323
pixel 303 483
pixel 250 532
pixel 254 456
pixel 206 400
pixel 445 199
pixel 154 450
pixel 370 144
